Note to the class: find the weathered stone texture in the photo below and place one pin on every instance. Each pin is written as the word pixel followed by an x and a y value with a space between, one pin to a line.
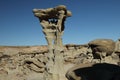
pixel 28 63
pixel 52 62
pixel 52 22
pixel 102 47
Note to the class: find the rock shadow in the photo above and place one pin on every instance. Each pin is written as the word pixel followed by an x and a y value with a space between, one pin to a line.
pixel 101 71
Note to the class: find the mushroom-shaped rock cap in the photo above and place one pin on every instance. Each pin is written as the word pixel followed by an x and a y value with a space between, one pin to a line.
pixel 60 7
pixel 51 12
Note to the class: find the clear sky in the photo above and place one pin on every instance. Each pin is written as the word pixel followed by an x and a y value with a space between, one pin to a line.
pixel 91 19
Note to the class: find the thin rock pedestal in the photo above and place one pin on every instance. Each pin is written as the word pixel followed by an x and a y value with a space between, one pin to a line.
pixel 52 22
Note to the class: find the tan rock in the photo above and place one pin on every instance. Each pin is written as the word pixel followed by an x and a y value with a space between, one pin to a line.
pixel 99 46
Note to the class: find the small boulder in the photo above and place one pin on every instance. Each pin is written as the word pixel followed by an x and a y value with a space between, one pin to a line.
pixel 100 46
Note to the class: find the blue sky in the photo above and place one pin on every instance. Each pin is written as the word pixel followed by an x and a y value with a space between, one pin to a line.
pixel 91 19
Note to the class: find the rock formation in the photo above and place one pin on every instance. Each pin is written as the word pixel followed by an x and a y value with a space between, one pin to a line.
pixel 117 47
pixel 52 21
pixel 29 63
pixel 53 61
pixel 102 47
pixel 103 52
